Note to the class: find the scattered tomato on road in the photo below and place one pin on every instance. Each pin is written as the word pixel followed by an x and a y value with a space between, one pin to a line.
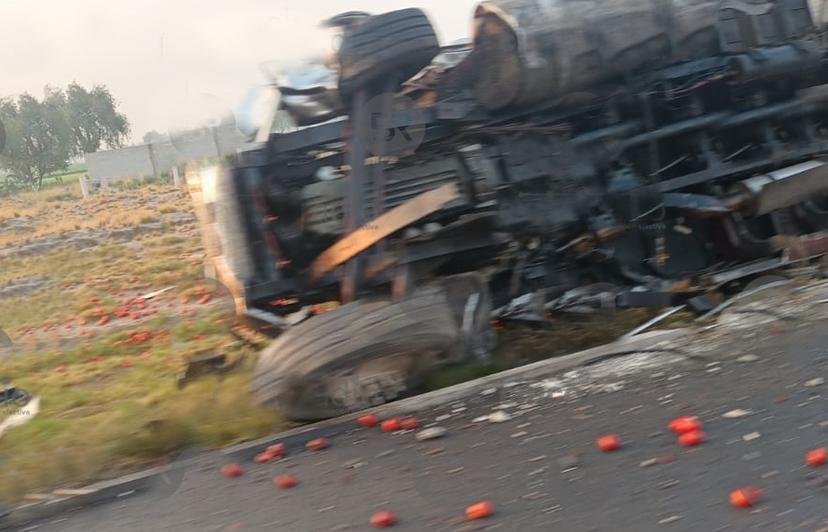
pixel 480 510
pixel 383 519
pixel 317 445
pixel 608 443
pixel 368 421
pixel 817 457
pixel 232 470
pixel 683 425
pixel 391 425
pixel 285 482
pixel 745 497
pixel 691 439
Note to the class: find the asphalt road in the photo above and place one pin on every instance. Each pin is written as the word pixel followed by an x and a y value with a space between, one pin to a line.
pixel 540 468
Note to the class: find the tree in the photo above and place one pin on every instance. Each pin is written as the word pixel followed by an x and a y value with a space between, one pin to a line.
pixel 153 136
pixel 95 119
pixel 38 137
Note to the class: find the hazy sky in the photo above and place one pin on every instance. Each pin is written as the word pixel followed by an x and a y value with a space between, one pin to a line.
pixel 172 62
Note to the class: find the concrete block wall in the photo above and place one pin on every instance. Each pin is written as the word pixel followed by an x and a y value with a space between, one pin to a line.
pixel 153 160
pixel 124 163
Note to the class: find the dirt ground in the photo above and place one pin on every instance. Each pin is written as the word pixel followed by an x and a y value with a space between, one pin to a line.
pixel 104 300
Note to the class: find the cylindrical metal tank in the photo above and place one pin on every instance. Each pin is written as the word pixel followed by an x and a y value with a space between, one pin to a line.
pixel 528 51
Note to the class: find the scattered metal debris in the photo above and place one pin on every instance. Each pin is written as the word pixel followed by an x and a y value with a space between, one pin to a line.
pixel 736 414
pixel 153 295
pixel 658 319
pixel 499 417
pixel 752 436
pixel 741 296
pixel 431 433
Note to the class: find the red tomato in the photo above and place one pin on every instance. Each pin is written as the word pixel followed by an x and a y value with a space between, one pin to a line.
pixel 817 457
pixel 383 519
pixel 263 458
pixel 391 425
pixel 277 449
pixel 745 497
pixel 691 439
pixel 368 421
pixel 317 445
pixel 682 425
pixel 232 471
pixel 285 482
pixel 480 510
pixel 609 443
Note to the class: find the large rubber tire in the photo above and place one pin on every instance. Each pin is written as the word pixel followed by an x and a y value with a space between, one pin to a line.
pixel 394 45
pixel 372 351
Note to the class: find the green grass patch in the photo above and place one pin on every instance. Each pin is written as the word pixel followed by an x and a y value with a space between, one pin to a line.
pixel 99 417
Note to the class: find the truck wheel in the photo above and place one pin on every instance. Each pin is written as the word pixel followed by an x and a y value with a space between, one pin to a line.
pixel 393 45
pixel 365 353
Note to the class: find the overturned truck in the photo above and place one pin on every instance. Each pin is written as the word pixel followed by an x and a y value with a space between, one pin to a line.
pixel 658 147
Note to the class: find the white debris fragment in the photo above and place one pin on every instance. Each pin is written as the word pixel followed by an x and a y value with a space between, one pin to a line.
pixel 671 519
pixel 489 391
pixel 442 418
pixel 499 417
pixel 752 436
pixel 737 413
pixel 548 384
pixel 431 434
pixel 819 381
pixel 747 358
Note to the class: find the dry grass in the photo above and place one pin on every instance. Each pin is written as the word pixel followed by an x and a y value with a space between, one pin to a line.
pixel 60 210
pixel 99 417
pixel 107 404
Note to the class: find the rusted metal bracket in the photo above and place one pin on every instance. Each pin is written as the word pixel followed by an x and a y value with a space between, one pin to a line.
pixel 382 226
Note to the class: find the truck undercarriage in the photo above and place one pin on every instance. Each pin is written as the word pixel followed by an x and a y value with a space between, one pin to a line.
pixel 425 210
